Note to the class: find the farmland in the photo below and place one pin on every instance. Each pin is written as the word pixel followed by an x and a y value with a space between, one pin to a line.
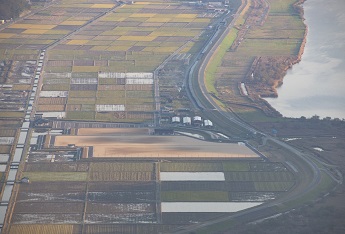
pixel 102 61
pixel 89 43
pixel 268 40
pixel 105 63
pixel 160 147
pixel 102 194
pixel 126 199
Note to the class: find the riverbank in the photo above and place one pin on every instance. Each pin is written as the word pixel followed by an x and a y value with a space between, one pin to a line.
pixel 267 72
pixel 315 86
pixel 270 40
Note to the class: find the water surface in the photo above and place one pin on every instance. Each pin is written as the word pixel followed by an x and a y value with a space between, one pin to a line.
pixel 316 86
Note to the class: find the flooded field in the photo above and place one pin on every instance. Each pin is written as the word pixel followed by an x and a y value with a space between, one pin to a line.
pixel 109 197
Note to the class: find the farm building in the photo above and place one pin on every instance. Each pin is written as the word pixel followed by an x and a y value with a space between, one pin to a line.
pixel 197 121
pixel 208 123
pixel 187 120
pixel 176 119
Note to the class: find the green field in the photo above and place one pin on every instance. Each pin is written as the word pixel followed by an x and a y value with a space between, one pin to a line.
pixel 56 176
pixel 125 40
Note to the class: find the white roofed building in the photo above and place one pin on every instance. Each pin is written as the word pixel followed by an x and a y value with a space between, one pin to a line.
pixel 208 123
pixel 176 119
pixel 187 120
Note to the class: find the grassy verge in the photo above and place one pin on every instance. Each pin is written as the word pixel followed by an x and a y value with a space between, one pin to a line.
pixel 216 61
pixel 326 184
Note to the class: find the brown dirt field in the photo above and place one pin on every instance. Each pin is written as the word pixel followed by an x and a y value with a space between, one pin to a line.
pixel 52 101
pixel 51 108
pixel 59 63
pixel 156 146
pixel 83 62
pixel 112 131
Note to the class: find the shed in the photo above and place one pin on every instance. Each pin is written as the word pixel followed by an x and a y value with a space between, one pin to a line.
pixel 197 119
pixel 187 120
pixel 176 119
pixel 208 123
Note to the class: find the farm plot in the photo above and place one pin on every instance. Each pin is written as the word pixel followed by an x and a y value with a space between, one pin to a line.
pixel 259 176
pixel 53 207
pixel 56 176
pixel 113 167
pixel 121 172
pixel 274 186
pixel 7 132
pixel 56 167
pixel 133 218
pixel 125 193
pixel 191 166
pixel 110 208
pixel 122 196
pixel 244 181
pixel 40 229
pixel 127 229
pixel 187 218
pixel 120 42
pixel 31 34
pixel 253 196
pixel 51 197
pixel 9 123
pixel 168 146
pixel 121 176
pixel 42 218
pixel 54 187
pixel 121 186
pixel 52 101
pixel 120 212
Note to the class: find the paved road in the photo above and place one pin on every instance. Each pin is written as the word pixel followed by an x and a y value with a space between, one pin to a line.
pixel 307 172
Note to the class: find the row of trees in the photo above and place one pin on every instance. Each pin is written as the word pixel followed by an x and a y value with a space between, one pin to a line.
pixel 12 8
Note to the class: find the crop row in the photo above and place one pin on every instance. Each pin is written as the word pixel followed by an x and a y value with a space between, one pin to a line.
pixel 56 176
pixel 44 228
pixel 56 167
pixel 259 176
pixel 127 229
pixel 120 167
pixel 120 176
pixel 190 166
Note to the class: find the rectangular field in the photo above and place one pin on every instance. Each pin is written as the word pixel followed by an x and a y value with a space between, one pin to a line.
pixel 168 146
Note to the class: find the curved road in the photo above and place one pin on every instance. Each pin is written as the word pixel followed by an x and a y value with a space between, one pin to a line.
pixel 307 172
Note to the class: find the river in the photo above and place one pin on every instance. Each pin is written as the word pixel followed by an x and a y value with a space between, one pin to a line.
pixel 316 86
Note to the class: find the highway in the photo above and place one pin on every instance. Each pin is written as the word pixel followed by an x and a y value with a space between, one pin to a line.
pixel 307 172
